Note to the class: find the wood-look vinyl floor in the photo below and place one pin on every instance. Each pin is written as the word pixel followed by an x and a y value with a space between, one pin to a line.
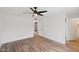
pixel 34 44
pixel 73 44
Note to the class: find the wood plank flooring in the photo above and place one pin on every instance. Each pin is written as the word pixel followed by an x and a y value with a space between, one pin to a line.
pixel 34 44
pixel 73 44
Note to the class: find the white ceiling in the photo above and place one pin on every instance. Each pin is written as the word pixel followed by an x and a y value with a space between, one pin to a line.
pixel 51 10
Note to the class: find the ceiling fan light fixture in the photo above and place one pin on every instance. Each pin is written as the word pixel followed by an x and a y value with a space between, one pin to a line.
pixel 35 14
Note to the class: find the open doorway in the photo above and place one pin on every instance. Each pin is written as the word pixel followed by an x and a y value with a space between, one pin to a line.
pixel 72 29
pixel 72 34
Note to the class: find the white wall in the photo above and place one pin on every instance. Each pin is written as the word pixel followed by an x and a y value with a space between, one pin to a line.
pixel 2 21
pixel 16 27
pixel 1 18
pixel 54 27
pixel 0 33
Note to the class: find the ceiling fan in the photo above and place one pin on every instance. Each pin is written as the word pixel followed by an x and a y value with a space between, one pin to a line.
pixel 35 12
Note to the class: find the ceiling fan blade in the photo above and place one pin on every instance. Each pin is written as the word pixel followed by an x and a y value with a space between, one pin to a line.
pixel 40 14
pixel 32 9
pixel 42 11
